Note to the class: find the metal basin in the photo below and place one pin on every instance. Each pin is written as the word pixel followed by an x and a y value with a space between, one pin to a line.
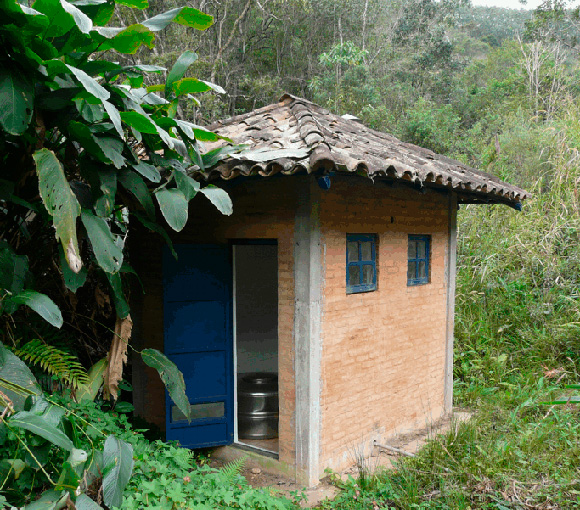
pixel 258 406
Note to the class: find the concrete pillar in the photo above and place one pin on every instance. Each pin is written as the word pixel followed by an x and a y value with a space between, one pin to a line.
pixel 450 269
pixel 307 332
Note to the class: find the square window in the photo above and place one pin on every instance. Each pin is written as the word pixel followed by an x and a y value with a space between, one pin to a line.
pixel 361 263
pixel 418 260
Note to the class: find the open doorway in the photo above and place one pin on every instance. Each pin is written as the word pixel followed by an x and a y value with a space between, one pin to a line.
pixel 255 291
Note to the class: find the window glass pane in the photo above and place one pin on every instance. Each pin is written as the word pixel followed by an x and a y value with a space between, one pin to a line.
pixel 368 274
pixel 411 270
pixel 366 250
pixel 421 249
pixel 412 249
pixel 422 269
pixel 352 251
pixel 353 275
pixel 209 410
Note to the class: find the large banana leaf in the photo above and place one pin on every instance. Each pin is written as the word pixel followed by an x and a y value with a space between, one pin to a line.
pixel 171 377
pixel 42 427
pixel 108 254
pixel 118 461
pixel 41 304
pixel 16 101
pixel 13 369
pixel 60 202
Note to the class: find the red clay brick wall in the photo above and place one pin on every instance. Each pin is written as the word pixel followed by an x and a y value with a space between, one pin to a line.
pixel 383 352
pixel 263 209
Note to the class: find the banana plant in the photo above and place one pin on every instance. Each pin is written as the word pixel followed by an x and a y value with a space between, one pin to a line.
pixel 86 146
pixel 85 149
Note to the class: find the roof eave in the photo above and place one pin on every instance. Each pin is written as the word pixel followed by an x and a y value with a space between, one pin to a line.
pixel 233 169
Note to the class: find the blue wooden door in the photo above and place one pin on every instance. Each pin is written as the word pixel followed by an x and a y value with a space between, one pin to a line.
pixel 198 339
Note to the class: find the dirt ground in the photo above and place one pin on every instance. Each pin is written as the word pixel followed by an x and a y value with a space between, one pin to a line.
pixel 381 459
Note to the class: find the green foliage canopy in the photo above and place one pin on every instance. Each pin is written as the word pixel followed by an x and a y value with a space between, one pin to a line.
pixel 81 137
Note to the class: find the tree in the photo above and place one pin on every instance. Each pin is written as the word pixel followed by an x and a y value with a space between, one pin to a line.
pixel 555 20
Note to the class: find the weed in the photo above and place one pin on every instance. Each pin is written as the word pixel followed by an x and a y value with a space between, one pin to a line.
pixel 298 496
pixel 167 476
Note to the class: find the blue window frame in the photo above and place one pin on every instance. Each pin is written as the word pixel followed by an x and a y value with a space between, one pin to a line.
pixel 418 260
pixel 361 263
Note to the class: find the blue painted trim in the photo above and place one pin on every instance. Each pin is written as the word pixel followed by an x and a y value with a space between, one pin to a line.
pixel 324 182
pixel 362 287
pixel 424 279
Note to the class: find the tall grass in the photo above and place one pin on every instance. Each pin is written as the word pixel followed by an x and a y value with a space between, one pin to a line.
pixel 519 273
pixel 508 456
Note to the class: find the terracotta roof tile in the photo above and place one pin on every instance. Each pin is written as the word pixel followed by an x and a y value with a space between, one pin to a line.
pixel 296 135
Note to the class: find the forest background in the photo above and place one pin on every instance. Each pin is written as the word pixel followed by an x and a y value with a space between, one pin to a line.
pixel 495 88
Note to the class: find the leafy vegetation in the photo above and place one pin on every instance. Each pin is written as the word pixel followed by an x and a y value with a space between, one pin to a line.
pixel 169 477
pixel 79 453
pixel 80 139
pixel 70 449
pixel 85 148
pixel 51 450
pixel 83 139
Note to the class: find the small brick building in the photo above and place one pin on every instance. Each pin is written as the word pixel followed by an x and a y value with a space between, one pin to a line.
pixel 336 272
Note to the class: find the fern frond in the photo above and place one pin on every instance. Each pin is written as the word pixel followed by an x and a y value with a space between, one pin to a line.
pixel 55 362
pixel 232 469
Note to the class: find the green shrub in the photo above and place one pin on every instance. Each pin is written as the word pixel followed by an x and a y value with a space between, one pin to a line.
pixel 167 477
pixel 163 475
pixel 432 126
